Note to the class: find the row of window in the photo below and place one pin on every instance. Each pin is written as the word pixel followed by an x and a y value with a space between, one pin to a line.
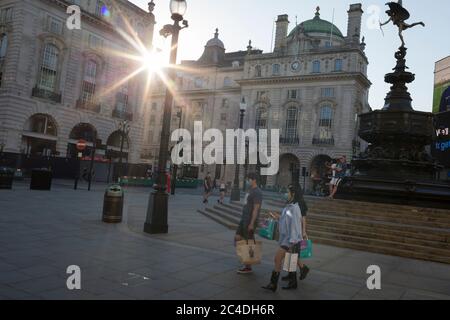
pixel 292 116
pixel 296 66
pixel 49 73
pixel 294 94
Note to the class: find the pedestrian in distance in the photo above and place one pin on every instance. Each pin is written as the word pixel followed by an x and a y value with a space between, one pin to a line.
pixel 207 185
pixel 223 191
pixel 250 216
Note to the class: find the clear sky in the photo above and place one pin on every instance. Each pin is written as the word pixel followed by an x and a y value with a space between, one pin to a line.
pixel 241 20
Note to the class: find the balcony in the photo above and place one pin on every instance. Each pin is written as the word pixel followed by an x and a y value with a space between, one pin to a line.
pixel 323 142
pixel 290 140
pixel 122 115
pixel 46 94
pixel 88 106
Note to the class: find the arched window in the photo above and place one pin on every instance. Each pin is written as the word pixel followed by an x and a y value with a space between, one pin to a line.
pixel 338 65
pixel 326 117
pixel 261 118
pixel 291 123
pixel 316 66
pixel 89 81
pixel 49 68
pixel 258 71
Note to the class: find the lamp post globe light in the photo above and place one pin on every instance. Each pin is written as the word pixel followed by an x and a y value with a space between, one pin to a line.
pixel 156 221
pixel 236 192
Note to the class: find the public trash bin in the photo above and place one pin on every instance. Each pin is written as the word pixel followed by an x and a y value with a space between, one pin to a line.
pixel 41 179
pixel 113 204
pixel 6 178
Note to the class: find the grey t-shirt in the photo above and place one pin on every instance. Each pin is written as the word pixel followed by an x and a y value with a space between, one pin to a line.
pixel 254 197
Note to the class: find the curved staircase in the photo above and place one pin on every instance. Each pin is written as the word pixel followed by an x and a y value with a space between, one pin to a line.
pixel 405 231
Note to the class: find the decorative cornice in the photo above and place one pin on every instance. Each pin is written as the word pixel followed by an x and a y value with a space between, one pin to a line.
pixel 308 78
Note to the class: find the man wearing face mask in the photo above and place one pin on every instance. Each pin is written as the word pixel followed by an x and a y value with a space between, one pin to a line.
pixel 250 215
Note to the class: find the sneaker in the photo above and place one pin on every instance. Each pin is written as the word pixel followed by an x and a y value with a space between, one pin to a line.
pixel 304 273
pixel 245 270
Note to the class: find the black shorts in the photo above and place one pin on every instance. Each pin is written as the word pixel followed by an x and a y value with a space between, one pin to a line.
pixel 242 229
pixel 223 190
pixel 208 190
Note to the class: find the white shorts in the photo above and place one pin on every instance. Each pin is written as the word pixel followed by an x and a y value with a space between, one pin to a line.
pixel 335 181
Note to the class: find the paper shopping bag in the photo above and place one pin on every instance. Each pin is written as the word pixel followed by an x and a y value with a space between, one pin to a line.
pixel 249 251
pixel 290 262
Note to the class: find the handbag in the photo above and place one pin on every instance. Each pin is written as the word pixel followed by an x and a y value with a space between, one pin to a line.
pixel 249 251
pixel 306 249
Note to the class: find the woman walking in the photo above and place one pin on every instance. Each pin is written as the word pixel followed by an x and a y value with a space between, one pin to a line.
pixel 290 230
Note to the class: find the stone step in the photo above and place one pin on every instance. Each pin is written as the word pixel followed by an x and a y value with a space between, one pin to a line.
pixel 425 251
pixel 400 220
pixel 336 241
pixel 372 207
pixel 379 206
pixel 218 219
pixel 229 211
pixel 223 215
pixel 416 214
pixel 396 236
pixel 370 214
pixel 438 235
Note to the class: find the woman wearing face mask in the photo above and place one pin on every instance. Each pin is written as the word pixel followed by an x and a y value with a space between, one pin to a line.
pixel 290 230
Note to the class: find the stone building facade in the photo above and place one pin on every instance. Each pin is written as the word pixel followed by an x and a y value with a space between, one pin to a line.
pixel 311 87
pixel 60 85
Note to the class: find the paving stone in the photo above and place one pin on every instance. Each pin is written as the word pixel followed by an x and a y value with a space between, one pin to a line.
pixel 41 284
pixel 203 289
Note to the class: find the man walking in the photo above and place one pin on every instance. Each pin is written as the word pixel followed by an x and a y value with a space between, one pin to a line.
pixel 207 184
pixel 250 215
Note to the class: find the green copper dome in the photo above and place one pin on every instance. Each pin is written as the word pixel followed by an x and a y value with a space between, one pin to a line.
pixel 317 25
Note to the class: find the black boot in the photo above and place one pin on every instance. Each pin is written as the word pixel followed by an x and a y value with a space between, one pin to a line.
pixel 292 281
pixel 304 272
pixel 273 285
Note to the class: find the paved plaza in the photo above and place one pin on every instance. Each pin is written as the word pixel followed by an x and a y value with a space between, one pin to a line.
pixel 42 233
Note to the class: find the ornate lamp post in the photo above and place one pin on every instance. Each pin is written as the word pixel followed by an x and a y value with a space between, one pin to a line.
pixel 175 166
pixel 236 193
pixel 124 129
pixel 156 222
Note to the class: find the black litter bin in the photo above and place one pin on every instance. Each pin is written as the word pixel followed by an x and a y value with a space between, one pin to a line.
pixel 6 177
pixel 41 179
pixel 113 204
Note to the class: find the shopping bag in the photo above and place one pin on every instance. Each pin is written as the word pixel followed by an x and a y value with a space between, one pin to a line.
pixel 290 262
pixel 249 251
pixel 306 249
pixel 267 230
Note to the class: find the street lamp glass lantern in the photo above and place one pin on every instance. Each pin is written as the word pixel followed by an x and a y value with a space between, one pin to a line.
pixel 243 104
pixel 178 7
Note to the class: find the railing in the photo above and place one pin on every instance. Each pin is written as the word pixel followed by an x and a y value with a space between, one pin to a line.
pixel 88 105
pixel 122 115
pixel 290 140
pixel 323 142
pixel 46 94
